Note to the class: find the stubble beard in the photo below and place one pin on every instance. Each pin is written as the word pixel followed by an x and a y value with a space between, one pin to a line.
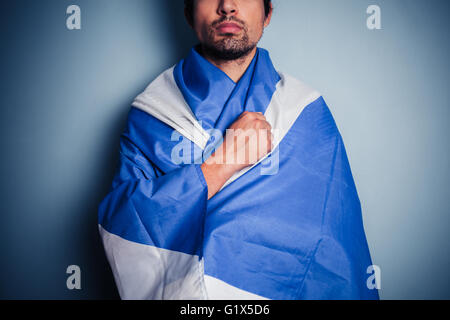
pixel 230 46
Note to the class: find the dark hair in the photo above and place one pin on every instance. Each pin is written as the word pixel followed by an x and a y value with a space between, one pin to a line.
pixel 189 5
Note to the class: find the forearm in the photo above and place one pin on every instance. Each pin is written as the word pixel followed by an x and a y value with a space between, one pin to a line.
pixel 165 212
pixel 216 175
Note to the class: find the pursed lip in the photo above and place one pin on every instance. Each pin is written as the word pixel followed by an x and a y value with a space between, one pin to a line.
pixel 228 27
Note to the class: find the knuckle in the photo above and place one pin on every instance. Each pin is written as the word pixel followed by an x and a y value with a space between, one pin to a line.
pixel 256 122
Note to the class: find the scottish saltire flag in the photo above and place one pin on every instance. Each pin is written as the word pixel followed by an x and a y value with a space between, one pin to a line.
pixel 288 227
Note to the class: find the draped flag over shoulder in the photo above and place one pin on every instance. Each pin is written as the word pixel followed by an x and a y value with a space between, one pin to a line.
pixel 288 227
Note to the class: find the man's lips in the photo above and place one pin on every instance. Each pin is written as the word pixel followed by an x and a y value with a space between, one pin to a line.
pixel 228 27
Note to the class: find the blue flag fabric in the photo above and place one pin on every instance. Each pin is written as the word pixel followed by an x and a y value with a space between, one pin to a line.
pixel 295 234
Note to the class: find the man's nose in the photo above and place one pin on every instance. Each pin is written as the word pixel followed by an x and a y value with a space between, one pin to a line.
pixel 227 8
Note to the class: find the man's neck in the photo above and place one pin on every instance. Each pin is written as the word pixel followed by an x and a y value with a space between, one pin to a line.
pixel 235 69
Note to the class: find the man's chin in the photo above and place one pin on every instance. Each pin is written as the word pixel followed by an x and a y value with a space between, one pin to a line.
pixel 228 37
pixel 228 53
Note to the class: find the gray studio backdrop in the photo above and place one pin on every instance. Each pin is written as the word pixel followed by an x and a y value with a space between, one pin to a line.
pixel 65 96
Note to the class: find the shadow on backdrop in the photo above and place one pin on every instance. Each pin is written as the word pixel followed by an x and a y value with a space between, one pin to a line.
pixel 182 38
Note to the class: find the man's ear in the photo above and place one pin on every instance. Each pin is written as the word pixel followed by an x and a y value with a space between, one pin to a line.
pixel 189 19
pixel 269 15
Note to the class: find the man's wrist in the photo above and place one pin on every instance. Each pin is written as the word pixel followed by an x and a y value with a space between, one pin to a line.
pixel 216 175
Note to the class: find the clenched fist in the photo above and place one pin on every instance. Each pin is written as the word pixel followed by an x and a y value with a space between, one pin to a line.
pixel 246 142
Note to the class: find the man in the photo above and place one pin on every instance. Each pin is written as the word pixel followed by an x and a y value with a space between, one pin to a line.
pixel 187 220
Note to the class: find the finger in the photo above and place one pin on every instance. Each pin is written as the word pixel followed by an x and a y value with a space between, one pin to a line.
pixel 270 136
pixel 242 114
pixel 259 115
pixel 254 115
pixel 266 125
